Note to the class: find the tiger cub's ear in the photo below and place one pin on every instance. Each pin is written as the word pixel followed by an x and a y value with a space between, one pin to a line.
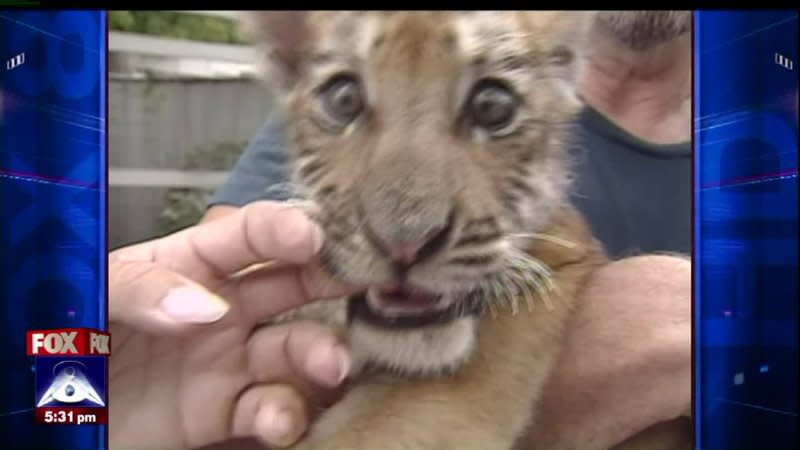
pixel 562 37
pixel 282 39
pixel 569 39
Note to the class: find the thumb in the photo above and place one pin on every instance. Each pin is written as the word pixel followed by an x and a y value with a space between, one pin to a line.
pixel 150 297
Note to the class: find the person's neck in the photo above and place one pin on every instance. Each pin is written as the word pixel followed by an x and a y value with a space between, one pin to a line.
pixel 647 93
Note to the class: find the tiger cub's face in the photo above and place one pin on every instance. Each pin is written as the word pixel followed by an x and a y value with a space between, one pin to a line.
pixel 431 144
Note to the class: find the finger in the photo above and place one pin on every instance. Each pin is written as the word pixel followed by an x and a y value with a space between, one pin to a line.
pixel 272 290
pixel 150 297
pixel 216 211
pixel 275 414
pixel 298 353
pixel 259 232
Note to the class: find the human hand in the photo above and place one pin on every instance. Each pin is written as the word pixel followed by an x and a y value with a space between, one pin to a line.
pixel 189 365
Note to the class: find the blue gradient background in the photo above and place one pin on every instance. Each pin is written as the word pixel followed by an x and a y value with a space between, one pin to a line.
pixel 746 248
pixel 52 202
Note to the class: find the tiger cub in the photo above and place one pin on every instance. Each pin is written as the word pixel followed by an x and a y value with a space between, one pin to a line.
pixel 430 148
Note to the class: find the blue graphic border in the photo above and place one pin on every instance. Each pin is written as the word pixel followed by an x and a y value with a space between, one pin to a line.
pixel 52 201
pixel 745 230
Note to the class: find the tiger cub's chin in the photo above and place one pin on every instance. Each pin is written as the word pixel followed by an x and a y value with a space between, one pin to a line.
pixel 414 352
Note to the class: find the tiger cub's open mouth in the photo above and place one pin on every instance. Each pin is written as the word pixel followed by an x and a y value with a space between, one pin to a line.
pixel 408 306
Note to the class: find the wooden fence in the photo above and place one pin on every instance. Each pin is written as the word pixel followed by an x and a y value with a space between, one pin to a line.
pixel 154 126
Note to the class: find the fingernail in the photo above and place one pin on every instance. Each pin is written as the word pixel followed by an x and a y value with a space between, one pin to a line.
pixel 330 365
pixel 193 305
pixel 278 427
pixel 344 362
pixel 317 237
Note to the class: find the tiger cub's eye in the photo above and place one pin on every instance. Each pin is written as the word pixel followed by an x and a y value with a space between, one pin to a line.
pixel 492 106
pixel 342 99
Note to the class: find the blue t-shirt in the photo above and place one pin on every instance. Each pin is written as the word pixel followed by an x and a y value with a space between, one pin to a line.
pixel 635 195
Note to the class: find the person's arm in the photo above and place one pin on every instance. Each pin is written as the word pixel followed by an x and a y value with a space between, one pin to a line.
pixel 626 362
pixel 259 173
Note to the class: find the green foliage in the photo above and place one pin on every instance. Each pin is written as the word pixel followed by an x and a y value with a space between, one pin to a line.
pixel 174 24
pixel 120 20
pixel 185 206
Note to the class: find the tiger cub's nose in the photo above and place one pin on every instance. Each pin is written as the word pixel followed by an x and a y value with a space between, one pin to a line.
pixel 409 251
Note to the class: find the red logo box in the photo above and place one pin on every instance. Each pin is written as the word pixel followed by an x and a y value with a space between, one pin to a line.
pixel 68 342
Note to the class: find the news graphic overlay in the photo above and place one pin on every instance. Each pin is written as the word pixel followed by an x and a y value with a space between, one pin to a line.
pixel 52 211
pixel 70 375
pixel 746 220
